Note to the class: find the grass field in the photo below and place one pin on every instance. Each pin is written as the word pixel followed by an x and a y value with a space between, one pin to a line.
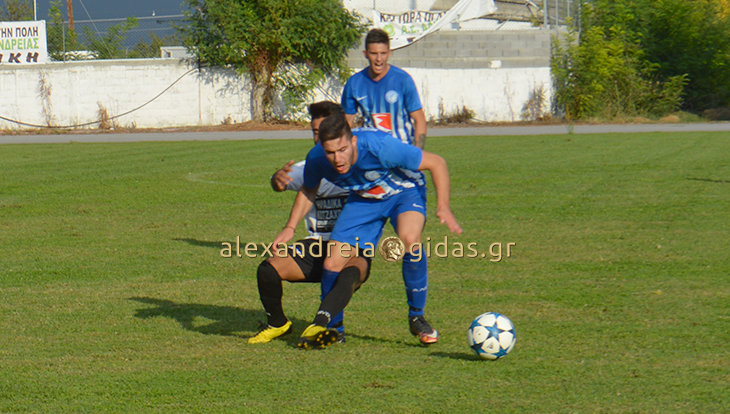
pixel 114 296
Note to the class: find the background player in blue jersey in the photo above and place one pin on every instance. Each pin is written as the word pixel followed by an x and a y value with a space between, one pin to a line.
pixel 300 265
pixel 371 165
pixel 385 95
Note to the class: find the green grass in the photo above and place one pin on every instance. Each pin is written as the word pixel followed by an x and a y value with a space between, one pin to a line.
pixel 114 297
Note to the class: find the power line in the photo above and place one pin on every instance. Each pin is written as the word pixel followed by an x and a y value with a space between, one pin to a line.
pixel 95 29
pixel 125 18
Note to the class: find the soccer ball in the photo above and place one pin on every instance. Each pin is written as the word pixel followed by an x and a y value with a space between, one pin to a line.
pixel 491 335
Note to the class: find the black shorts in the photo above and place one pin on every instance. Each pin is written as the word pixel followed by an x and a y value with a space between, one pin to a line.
pixel 307 255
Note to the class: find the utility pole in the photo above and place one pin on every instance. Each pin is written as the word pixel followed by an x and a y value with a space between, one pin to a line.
pixel 70 10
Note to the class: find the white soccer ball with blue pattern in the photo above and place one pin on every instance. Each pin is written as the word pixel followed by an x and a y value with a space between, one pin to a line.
pixel 492 335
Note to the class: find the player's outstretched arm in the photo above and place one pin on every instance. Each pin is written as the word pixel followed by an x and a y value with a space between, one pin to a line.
pixel 440 175
pixel 419 120
pixel 302 204
pixel 281 179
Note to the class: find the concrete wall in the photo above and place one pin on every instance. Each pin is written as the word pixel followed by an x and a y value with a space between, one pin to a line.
pixel 472 50
pixel 78 90
pixel 491 73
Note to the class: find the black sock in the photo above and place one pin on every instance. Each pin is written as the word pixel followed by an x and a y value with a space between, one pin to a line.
pixel 339 296
pixel 270 291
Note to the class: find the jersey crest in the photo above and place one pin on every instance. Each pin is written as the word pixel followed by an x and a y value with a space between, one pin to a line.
pixel 391 96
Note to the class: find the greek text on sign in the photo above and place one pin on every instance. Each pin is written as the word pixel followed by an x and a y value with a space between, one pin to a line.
pixel 23 42
pixel 412 17
pixel 409 23
pixel 408 27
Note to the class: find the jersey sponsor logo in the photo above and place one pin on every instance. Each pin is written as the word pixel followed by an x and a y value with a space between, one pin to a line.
pixel 391 97
pixel 372 175
pixel 329 203
pixel 328 210
pixel 383 122
pixel 377 192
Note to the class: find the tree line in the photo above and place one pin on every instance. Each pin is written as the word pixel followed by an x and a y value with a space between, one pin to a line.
pixel 644 58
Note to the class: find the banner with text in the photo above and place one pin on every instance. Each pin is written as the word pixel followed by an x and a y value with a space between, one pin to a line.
pixel 410 26
pixel 406 25
pixel 23 42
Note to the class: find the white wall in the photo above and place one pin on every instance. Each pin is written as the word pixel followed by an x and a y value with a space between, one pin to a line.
pixel 493 94
pixel 77 89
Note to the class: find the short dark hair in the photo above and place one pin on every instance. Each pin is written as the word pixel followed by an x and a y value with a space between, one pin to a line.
pixel 377 36
pixel 334 127
pixel 324 109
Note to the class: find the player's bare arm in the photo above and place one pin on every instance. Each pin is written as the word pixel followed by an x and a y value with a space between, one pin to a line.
pixel 419 120
pixel 281 179
pixel 302 204
pixel 440 176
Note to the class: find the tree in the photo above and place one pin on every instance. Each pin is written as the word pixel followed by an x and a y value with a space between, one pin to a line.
pixel 109 45
pixel 60 38
pixel 265 38
pixel 645 57
pixel 16 10
pixel 605 76
pixel 144 49
pixel 673 38
pixel 691 37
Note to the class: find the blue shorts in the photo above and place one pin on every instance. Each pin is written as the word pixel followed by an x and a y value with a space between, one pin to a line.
pixel 362 219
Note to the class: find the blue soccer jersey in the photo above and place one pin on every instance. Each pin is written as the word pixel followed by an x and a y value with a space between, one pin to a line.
pixel 384 166
pixel 386 104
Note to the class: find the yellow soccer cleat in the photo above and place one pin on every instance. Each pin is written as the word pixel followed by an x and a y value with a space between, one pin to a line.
pixel 269 333
pixel 317 337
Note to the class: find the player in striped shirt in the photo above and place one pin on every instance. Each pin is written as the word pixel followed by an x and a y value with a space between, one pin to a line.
pixel 385 95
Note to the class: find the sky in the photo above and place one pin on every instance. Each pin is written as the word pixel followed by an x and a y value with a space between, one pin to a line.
pixel 113 9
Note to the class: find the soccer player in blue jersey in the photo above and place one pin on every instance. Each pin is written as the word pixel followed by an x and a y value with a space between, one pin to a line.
pixel 385 95
pixel 374 167
pixel 305 262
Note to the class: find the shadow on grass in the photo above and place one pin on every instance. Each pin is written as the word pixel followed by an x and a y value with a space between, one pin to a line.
pixel 227 320
pixel 383 340
pixel 710 180
pixel 203 243
pixel 230 320
pixel 464 356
